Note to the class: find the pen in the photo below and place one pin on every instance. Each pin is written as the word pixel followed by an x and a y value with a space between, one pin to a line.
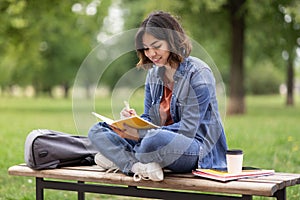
pixel 128 108
pixel 127 105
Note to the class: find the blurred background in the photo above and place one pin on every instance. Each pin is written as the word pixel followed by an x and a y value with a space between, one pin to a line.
pixel 255 45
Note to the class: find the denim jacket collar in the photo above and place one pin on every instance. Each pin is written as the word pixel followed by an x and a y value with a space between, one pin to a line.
pixel 182 67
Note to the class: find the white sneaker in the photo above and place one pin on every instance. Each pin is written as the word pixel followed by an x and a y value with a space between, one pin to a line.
pixel 150 171
pixel 104 163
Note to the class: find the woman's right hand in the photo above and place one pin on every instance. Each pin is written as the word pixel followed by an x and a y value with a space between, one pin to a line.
pixel 125 113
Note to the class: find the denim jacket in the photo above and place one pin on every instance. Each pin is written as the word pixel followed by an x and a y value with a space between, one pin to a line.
pixel 193 108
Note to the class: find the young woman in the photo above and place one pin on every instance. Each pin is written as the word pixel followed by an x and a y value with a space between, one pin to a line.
pixel 180 97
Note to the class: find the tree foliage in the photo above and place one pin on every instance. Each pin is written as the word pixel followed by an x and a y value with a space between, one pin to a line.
pixel 47 41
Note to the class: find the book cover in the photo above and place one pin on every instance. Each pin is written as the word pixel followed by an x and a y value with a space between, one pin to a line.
pixel 225 176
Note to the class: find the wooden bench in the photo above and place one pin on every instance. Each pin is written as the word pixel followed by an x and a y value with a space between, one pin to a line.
pixel 89 179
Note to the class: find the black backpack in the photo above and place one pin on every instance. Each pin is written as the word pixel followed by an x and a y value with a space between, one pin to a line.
pixel 48 149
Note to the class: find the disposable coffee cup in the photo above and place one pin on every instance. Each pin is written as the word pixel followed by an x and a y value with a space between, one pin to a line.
pixel 234 159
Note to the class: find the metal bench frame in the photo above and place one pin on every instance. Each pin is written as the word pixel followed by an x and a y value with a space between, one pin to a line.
pixel 82 188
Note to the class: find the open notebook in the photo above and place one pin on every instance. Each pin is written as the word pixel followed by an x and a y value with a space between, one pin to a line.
pixel 133 121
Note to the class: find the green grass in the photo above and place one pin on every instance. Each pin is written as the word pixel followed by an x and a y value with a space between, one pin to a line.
pixel 268 134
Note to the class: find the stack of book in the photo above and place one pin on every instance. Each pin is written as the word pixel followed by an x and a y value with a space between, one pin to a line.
pixel 223 175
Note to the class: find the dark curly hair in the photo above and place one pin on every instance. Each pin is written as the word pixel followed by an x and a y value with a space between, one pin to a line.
pixel 163 26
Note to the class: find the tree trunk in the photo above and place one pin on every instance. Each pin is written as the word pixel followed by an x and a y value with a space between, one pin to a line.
pixel 290 82
pixel 66 90
pixel 236 85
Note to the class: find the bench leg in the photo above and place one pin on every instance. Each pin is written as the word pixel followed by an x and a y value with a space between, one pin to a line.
pixel 80 193
pixel 246 197
pixel 40 185
pixel 280 194
pixel 39 189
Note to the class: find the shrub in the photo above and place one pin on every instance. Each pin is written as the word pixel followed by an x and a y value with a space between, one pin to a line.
pixel 263 79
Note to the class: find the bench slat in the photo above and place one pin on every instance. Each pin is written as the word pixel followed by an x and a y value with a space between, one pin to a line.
pixel 281 179
pixel 171 181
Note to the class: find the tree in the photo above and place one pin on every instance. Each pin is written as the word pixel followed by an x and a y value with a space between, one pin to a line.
pixel 277 38
pixel 236 86
pixel 291 30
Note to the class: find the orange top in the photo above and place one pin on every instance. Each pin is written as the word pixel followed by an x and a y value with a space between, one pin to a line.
pixel 164 108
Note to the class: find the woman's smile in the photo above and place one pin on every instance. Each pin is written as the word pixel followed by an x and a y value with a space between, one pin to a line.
pixel 156 50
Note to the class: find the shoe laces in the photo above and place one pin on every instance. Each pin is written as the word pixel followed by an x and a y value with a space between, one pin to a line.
pixel 141 175
pixel 138 177
pixel 112 170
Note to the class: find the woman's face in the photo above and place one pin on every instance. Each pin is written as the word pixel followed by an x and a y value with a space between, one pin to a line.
pixel 156 50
